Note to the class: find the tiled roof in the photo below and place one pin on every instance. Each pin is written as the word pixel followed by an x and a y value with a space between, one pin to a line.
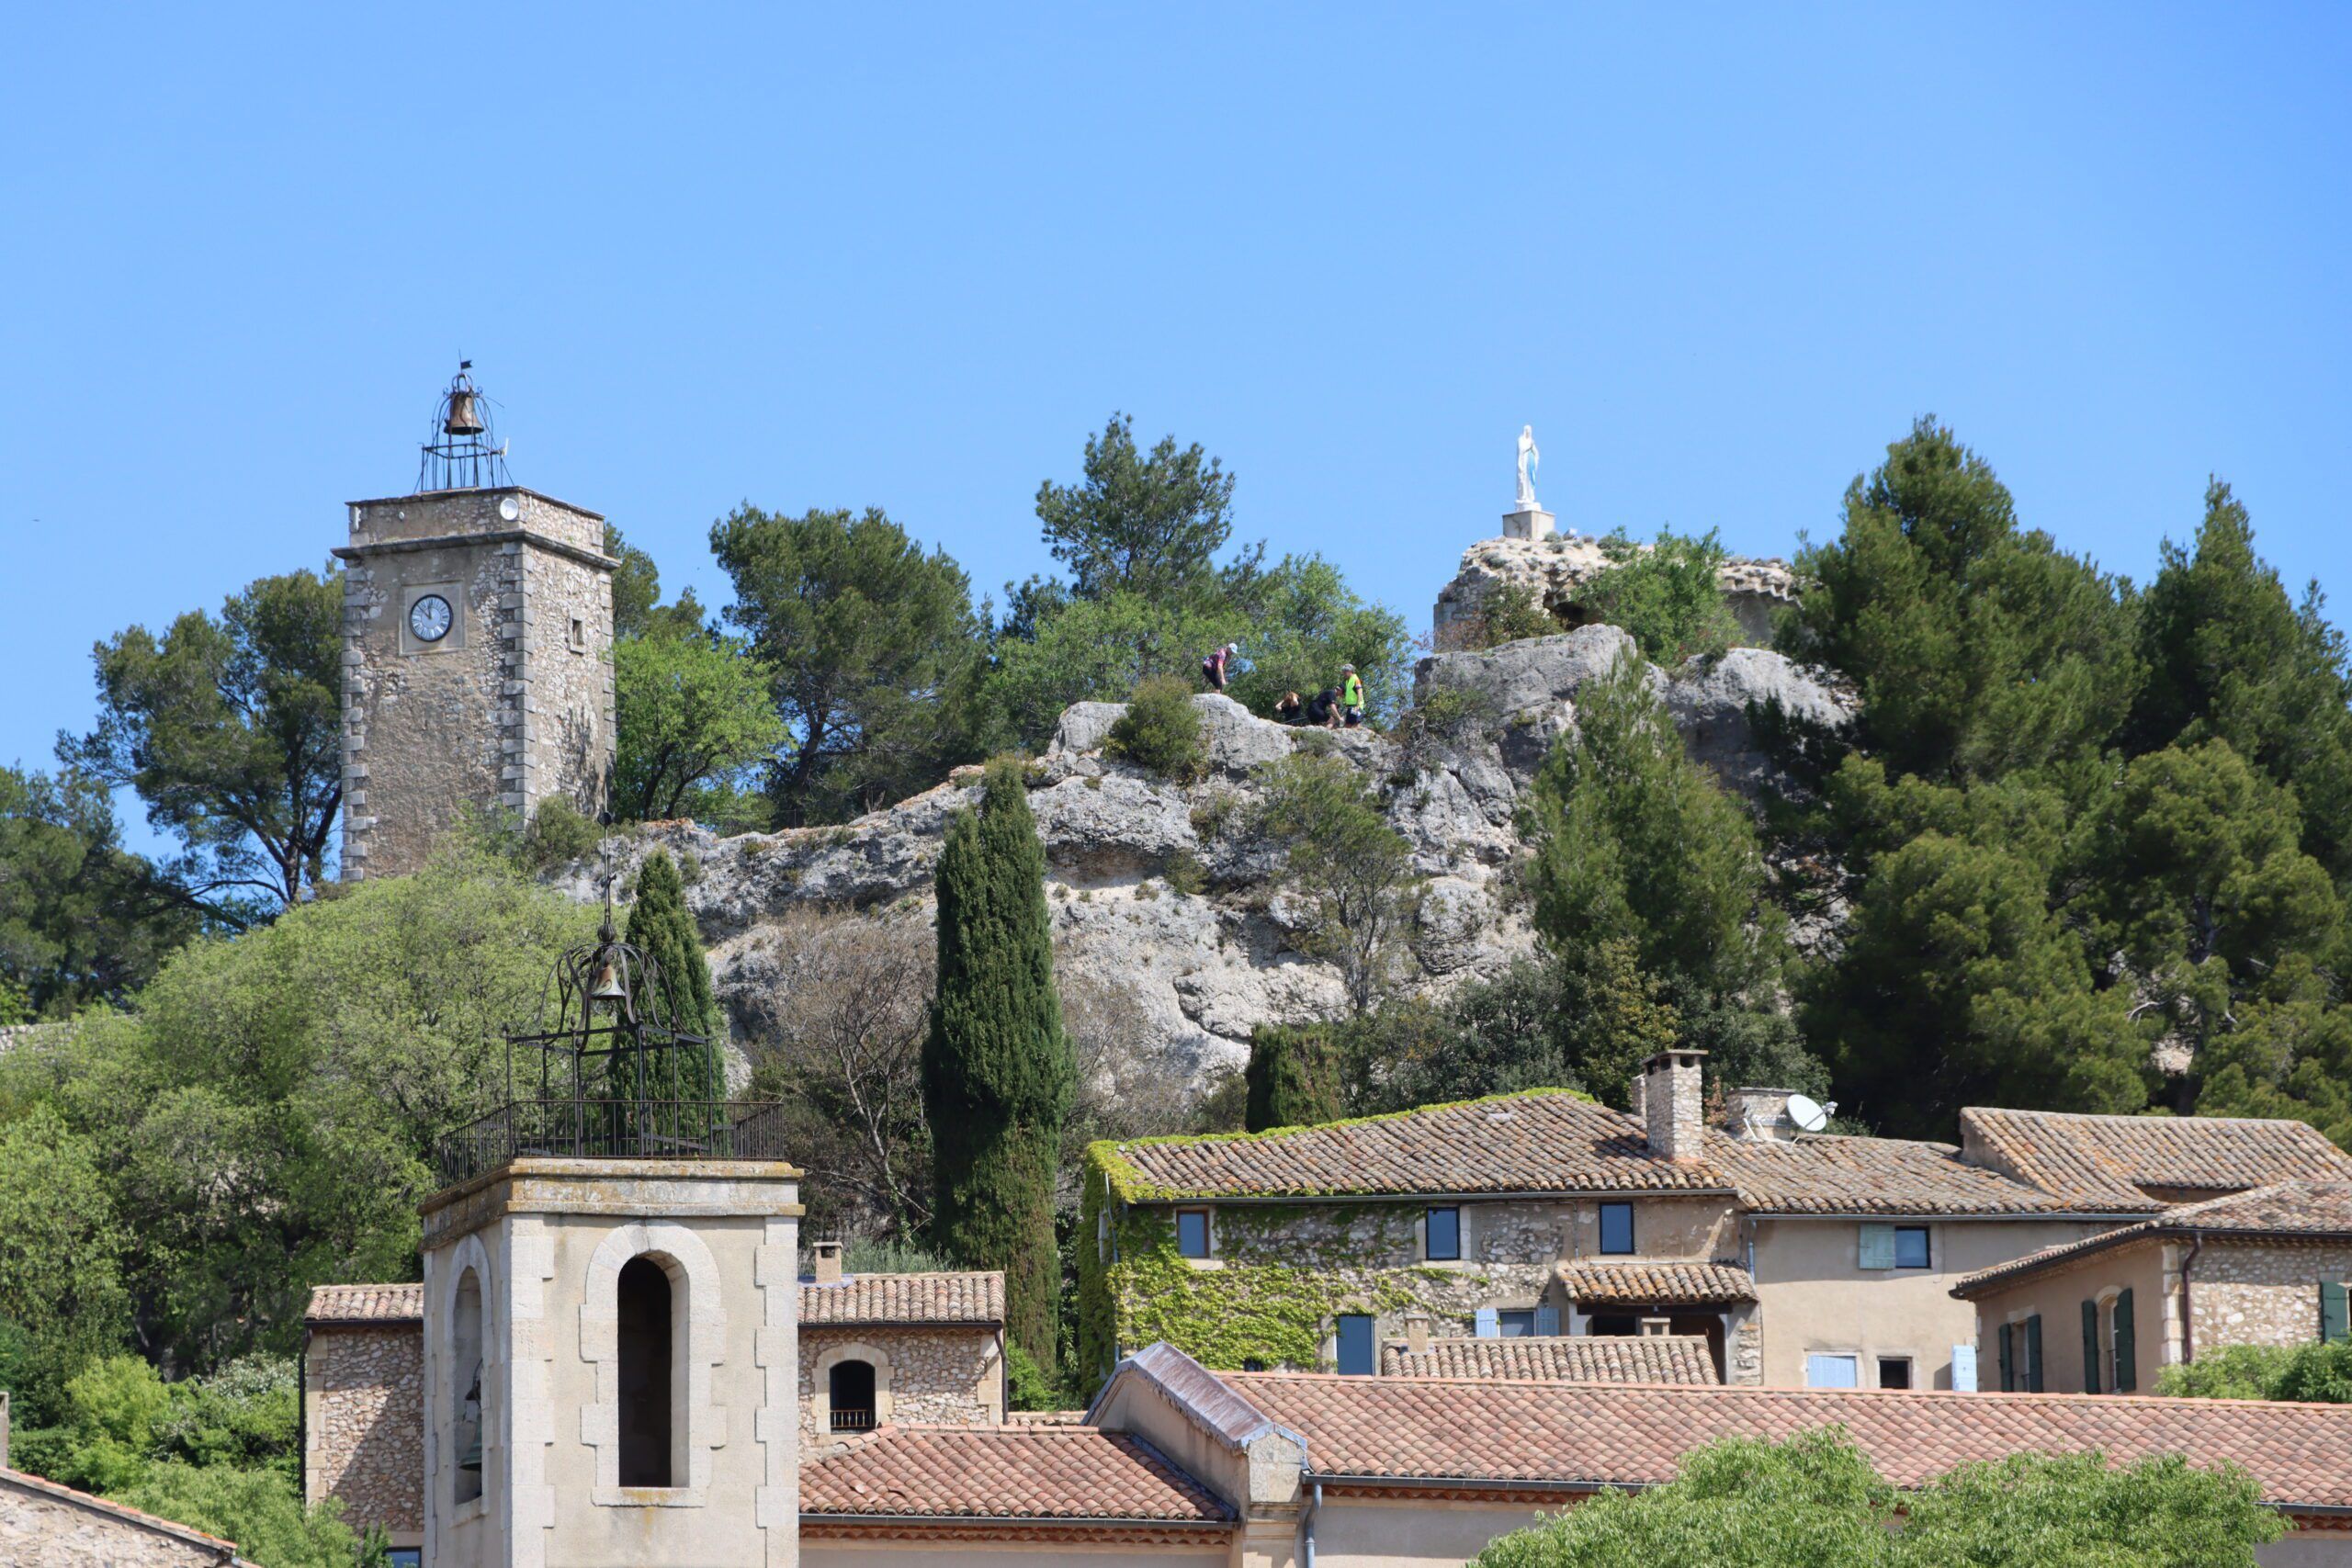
pixel 1548 1141
pixel 366 1303
pixel 1817 1174
pixel 225 1551
pixel 1635 1283
pixel 2107 1159
pixel 2282 1211
pixel 865 1299
pixel 1005 1472
pixel 1434 1428
pixel 1648 1358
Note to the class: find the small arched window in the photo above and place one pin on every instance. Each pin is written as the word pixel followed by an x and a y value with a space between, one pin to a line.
pixel 646 1349
pixel 850 1391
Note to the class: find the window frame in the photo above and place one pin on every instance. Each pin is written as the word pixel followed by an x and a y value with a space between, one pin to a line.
pixel 1926 1247
pixel 1633 1245
pixel 1910 1365
pixel 1208 1234
pixel 1429 1234
pixel 1504 1317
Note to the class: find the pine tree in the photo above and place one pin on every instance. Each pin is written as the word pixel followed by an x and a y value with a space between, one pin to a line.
pixel 659 926
pixel 996 1068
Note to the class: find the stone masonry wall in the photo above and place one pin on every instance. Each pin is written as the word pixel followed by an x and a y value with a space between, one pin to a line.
pixel 365 1424
pixel 941 1374
pixel 37 1529
pixel 506 711
pixel 2266 1293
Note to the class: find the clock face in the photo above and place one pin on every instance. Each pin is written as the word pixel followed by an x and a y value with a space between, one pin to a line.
pixel 428 618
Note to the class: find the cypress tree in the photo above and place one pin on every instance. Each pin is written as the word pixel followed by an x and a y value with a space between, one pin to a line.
pixel 659 926
pixel 996 1068
pixel 1293 1077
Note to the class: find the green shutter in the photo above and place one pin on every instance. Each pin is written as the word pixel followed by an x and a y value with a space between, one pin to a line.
pixel 2090 1346
pixel 2009 1363
pixel 2033 1354
pixel 1877 1247
pixel 2334 1312
pixel 2127 1346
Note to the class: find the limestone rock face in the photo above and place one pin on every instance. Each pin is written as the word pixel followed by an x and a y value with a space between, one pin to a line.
pixel 1170 895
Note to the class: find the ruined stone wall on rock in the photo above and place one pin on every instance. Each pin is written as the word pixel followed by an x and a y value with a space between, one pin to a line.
pixel 364 1423
pixel 1554 571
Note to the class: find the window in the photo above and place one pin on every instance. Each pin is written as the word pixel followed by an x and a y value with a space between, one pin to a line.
pixel 1515 1324
pixel 645 1358
pixel 465 1389
pixel 1832 1371
pixel 1354 1336
pixel 1911 1247
pixel 405 1557
pixel 2334 1312
pixel 849 1388
pixel 1441 1236
pixel 1617 1227
pixel 1192 1233
pixel 2125 1372
pixel 579 635
pixel 1895 1371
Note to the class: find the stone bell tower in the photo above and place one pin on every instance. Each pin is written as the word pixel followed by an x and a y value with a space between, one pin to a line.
pixel 611 1303
pixel 477 650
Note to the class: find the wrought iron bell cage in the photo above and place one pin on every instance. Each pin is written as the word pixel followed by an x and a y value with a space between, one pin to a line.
pixel 604 1073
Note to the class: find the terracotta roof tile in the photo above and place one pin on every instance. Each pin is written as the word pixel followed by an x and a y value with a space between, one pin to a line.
pixel 1434 1428
pixel 974 1297
pixel 2282 1211
pixel 2105 1158
pixel 1548 1141
pixel 1634 1282
pixel 1005 1472
pixel 1649 1358
pixel 366 1303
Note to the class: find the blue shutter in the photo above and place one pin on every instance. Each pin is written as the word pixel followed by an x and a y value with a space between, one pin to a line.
pixel 1490 1324
pixel 1877 1247
pixel 2127 1350
pixel 1547 1322
pixel 2334 1312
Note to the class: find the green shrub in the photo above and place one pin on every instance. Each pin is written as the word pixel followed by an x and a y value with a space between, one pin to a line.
pixel 557 835
pixel 2318 1374
pixel 1509 612
pixel 1185 873
pixel 1161 731
pixel 1027 1384
pixel 1667 596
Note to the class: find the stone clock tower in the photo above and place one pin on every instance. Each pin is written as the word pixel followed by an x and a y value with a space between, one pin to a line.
pixel 477 651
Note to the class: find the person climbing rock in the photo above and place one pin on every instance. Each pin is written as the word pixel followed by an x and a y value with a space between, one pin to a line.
pixel 1213 667
pixel 1351 694
pixel 1323 708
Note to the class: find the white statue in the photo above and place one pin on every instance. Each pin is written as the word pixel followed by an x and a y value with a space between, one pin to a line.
pixel 1528 458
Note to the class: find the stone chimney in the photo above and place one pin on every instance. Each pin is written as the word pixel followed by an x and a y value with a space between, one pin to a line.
pixel 827 1258
pixel 1761 1115
pixel 1417 1333
pixel 1671 1105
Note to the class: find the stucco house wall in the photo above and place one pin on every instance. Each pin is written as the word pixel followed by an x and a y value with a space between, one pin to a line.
pixel 1813 1295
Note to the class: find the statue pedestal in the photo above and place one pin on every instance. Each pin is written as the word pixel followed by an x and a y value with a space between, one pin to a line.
pixel 1529 523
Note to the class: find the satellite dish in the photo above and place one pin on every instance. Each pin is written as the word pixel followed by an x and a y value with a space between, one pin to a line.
pixel 1809 1114
pixel 509 508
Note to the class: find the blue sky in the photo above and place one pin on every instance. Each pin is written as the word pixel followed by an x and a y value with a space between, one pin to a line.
pixel 904 257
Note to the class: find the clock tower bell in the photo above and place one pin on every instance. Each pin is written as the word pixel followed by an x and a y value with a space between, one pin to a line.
pixel 477 650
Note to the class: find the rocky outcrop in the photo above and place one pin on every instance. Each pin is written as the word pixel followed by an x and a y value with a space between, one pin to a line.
pixel 1169 893
pixel 1555 569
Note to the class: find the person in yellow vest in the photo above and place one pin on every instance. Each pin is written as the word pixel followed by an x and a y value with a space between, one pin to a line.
pixel 1351 694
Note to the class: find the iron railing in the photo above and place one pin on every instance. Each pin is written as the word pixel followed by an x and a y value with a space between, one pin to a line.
pixel 612 1129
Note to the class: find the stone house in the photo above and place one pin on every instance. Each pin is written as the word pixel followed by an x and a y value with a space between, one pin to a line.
pixel 2103 1315
pixel 872 1349
pixel 1176 1463
pixel 1801 1260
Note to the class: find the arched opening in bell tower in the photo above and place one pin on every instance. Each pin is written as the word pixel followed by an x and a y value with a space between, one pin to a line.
pixel 647 1346
pixel 465 1390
